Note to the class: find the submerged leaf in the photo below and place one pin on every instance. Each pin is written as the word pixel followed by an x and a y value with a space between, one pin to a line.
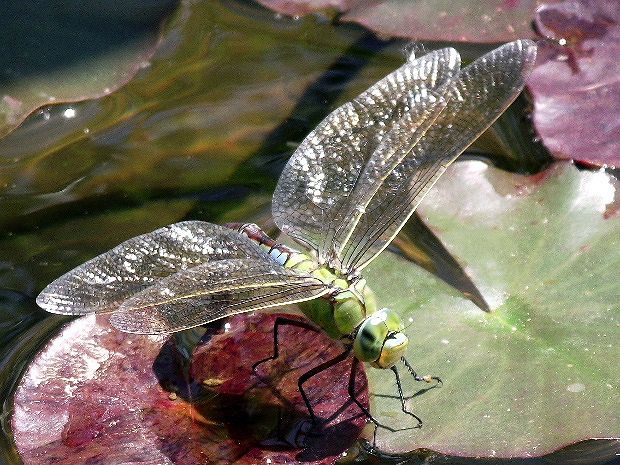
pixel 538 372
pixel 59 51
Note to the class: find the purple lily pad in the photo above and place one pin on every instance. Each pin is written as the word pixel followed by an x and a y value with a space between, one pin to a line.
pixel 443 20
pixel 304 7
pixel 95 395
pixel 576 86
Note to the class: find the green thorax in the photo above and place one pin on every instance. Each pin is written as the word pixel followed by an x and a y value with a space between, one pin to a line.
pixel 341 313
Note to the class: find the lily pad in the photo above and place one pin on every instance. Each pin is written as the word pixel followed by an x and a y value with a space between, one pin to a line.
pixel 94 394
pixel 538 372
pixel 576 86
pixel 444 20
pixel 58 51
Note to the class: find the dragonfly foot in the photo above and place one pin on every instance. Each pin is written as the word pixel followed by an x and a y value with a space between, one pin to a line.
pixel 282 321
pixel 260 362
pixel 394 430
pixel 426 378
pixel 305 431
pixel 429 379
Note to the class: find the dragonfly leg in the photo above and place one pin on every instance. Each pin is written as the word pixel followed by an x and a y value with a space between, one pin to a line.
pixel 282 321
pixel 402 398
pixel 353 395
pixel 425 378
pixel 313 372
pixel 366 412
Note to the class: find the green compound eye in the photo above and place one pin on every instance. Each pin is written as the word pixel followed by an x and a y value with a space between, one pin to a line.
pixel 393 349
pixel 372 343
pixel 369 339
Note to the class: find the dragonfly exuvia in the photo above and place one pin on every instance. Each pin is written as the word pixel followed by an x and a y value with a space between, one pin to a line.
pixel 344 195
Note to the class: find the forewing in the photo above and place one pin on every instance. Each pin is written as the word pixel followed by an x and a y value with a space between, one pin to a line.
pixel 420 112
pixel 480 93
pixel 314 188
pixel 100 285
pixel 212 291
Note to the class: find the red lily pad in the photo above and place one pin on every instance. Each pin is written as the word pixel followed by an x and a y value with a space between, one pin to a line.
pixel 441 20
pixel 576 86
pixel 95 395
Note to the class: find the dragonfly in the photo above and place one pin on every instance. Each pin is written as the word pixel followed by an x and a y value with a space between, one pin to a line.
pixel 345 193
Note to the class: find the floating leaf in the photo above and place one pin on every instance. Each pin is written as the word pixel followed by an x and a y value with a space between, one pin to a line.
pixel 538 372
pixel 576 86
pixel 443 20
pixel 94 394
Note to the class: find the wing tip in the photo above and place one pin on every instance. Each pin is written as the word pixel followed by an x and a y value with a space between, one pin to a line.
pixel 48 300
pixel 527 50
pixel 42 301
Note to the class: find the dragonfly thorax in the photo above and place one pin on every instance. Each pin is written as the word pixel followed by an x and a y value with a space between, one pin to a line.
pixel 351 312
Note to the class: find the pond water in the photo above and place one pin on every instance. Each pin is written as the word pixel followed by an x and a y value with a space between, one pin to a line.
pixel 201 132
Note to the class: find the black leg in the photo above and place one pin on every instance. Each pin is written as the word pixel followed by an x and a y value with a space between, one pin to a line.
pixel 402 398
pixel 426 379
pixel 313 372
pixel 353 396
pixel 282 321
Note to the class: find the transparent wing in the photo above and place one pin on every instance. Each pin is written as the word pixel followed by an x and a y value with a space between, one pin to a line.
pixel 100 285
pixel 212 291
pixel 314 190
pixel 476 97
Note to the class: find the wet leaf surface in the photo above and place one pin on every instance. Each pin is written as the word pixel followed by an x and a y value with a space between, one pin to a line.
pixel 95 395
pixel 47 55
pixel 444 20
pixel 576 86
pixel 537 372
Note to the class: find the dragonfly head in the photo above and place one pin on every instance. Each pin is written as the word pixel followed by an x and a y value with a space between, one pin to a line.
pixel 380 340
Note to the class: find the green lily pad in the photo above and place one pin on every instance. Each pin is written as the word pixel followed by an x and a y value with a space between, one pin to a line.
pixel 540 370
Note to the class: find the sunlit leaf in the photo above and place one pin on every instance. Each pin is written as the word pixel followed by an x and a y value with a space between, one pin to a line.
pixel 538 372
pixel 443 20
pixel 94 394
